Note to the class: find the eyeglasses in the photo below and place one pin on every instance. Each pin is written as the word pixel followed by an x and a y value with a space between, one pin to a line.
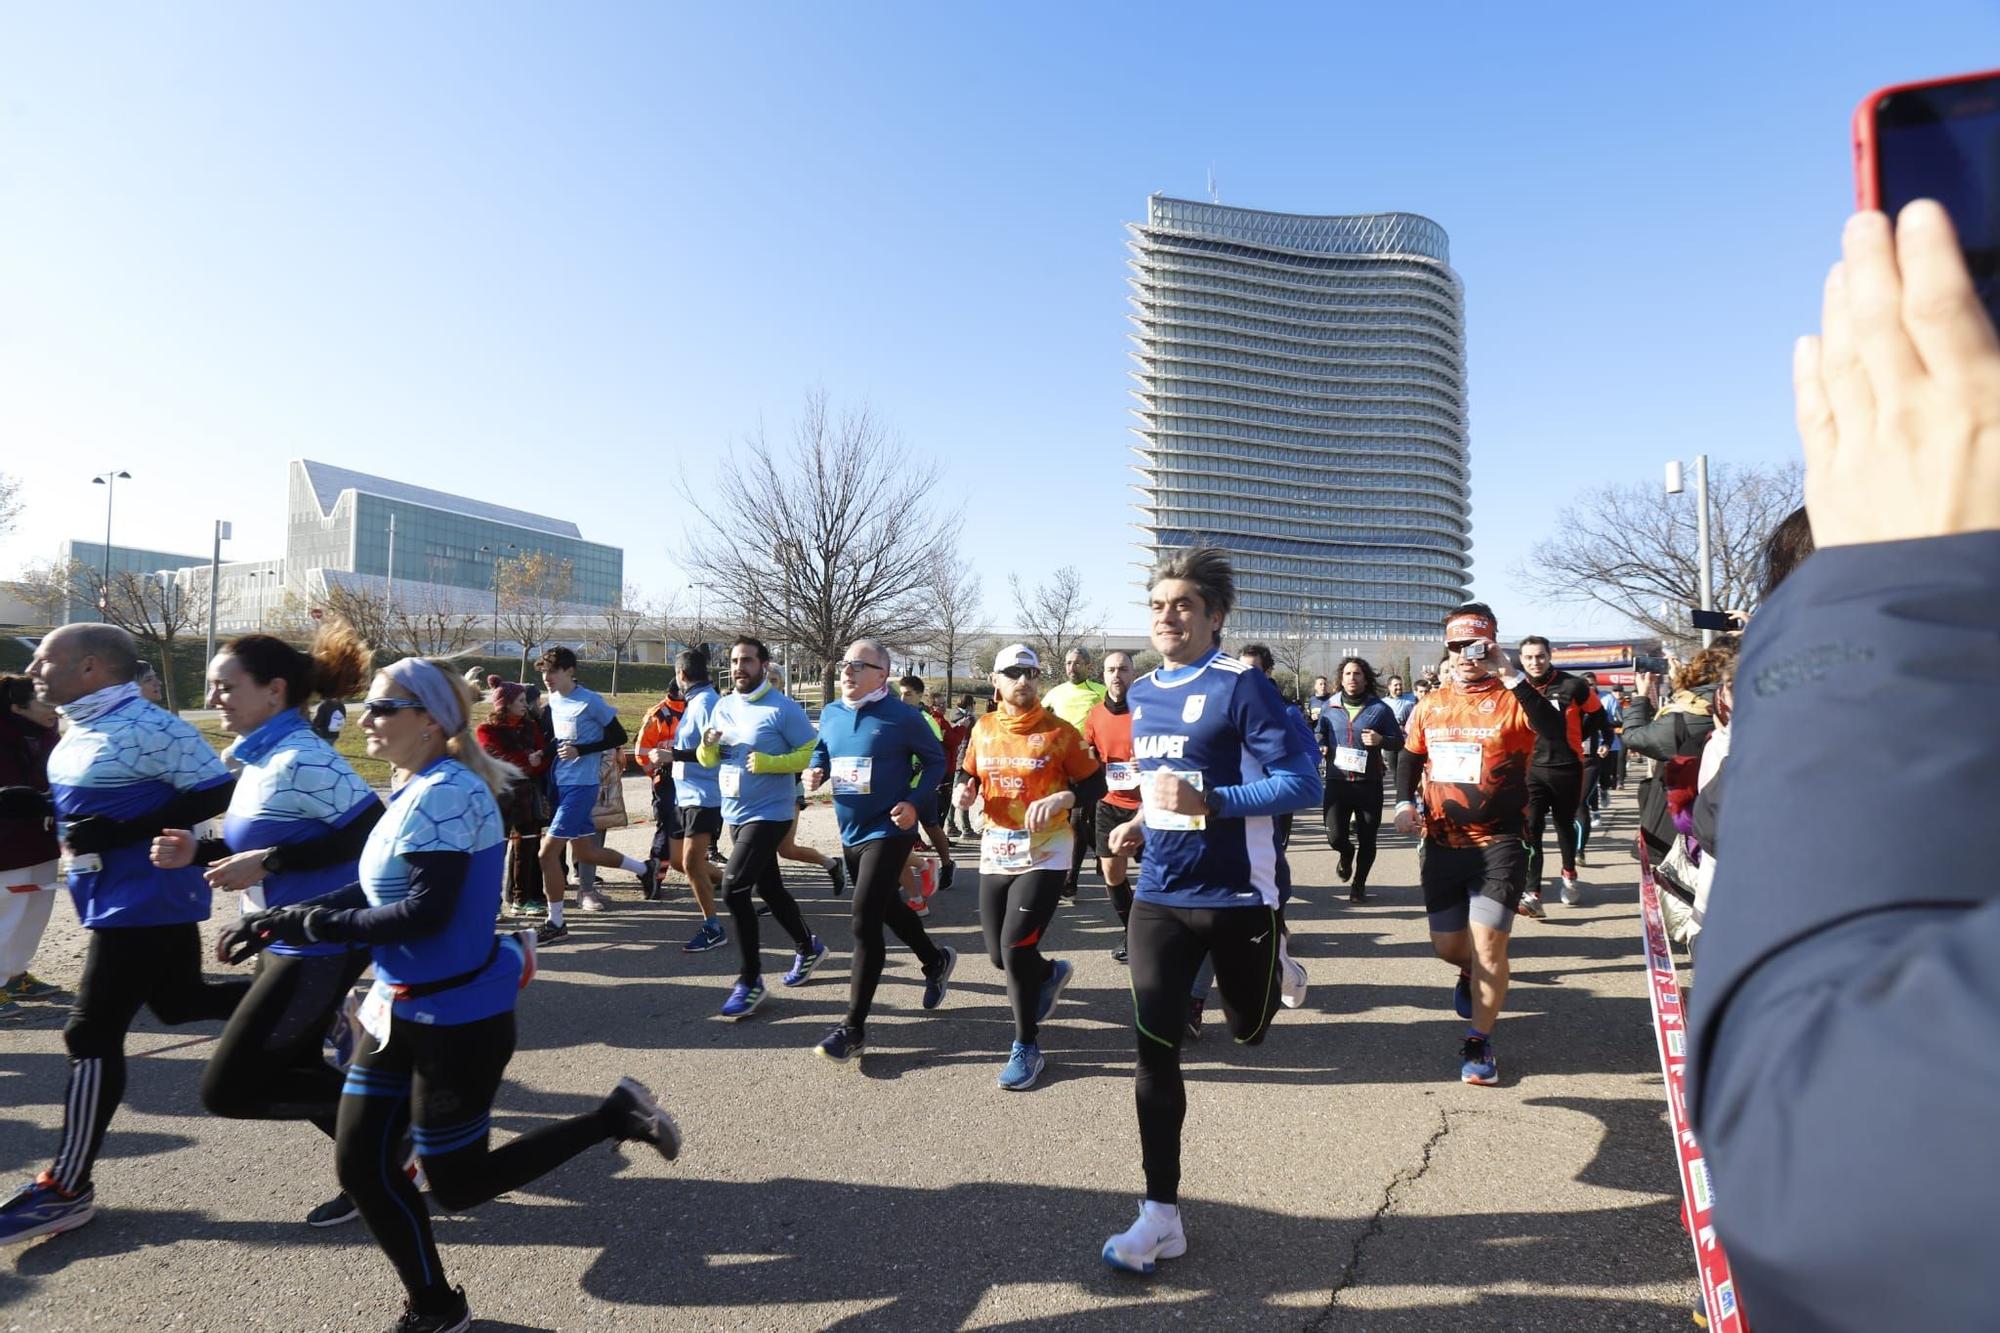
pixel 856 664
pixel 1021 672
pixel 383 707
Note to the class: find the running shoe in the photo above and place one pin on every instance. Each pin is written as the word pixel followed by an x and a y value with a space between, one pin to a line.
pixel 1572 893
pixel 590 900
pixel 649 881
pixel 1052 989
pixel 836 870
pixel 1068 891
pixel 456 1318
pixel 946 873
pixel 1291 979
pixel 337 1211
pixel 28 986
pixel 640 1118
pixel 1197 1007
pixel 921 908
pixel 710 936
pixel 38 1208
pixel 715 856
pixel 1461 994
pixel 1531 905
pixel 1120 955
pixel 1156 1235
pixel 840 1045
pixel 10 1008
pixel 938 984
pixel 804 962
pixel 1024 1065
pixel 743 999
pixel 1345 866
pixel 1358 894
pixel 1479 1064
pixel 550 931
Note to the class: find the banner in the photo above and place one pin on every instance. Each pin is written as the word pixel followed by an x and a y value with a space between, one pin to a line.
pixel 1663 988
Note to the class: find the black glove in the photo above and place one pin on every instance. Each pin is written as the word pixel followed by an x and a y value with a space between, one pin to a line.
pixel 98 833
pixel 260 930
pixel 24 803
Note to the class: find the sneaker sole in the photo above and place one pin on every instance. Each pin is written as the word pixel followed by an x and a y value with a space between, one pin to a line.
pixel 800 978
pixel 853 1055
pixel 321 1223
pixel 54 1228
pixel 1111 1257
pixel 669 1145
pixel 697 946
pixel 1023 1087
pixel 1479 1081
pixel 754 1005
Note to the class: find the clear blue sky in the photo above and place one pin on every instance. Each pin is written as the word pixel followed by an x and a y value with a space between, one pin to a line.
pixel 566 257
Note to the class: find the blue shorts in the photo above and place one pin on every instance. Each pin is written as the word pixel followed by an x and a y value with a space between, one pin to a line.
pixel 573 807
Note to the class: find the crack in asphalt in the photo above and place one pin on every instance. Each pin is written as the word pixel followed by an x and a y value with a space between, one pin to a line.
pixel 1390 1191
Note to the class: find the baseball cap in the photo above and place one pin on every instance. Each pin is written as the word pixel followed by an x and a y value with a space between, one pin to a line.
pixel 1016 654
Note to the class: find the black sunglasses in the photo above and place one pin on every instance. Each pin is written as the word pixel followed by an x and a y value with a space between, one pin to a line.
pixel 385 706
pixel 856 664
pixel 1021 672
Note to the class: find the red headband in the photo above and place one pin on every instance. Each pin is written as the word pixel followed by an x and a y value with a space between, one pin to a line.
pixel 1459 629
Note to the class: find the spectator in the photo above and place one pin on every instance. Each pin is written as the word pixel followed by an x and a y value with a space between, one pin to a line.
pixel 150 686
pixel 511 733
pixel 1672 736
pixel 27 843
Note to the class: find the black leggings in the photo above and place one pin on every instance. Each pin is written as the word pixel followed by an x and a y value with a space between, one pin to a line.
pixel 1014 912
pixel 876 870
pixel 1588 802
pixel 1357 805
pixel 268 1065
pixel 436 1084
pixel 1166 947
pixel 753 864
pixel 1552 791
pixel 158 967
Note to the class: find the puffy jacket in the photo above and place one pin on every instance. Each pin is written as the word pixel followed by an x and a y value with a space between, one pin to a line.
pixel 24 762
pixel 1678 730
pixel 663 721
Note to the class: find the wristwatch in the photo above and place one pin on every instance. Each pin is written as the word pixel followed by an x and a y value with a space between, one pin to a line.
pixel 274 861
pixel 1212 798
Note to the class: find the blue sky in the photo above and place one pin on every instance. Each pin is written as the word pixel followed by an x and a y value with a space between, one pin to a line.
pixel 567 258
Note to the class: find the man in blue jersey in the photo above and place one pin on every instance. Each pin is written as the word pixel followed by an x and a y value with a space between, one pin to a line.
pixel 1219 758
pixel 123 772
pixel 757 739
pixel 584 727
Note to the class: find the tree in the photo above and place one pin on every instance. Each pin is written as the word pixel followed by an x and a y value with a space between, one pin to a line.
pixel 364 609
pixel 54 587
pixel 157 612
pixel 533 587
pixel 431 622
pixel 619 624
pixel 10 501
pixel 1053 614
pixel 955 611
pixel 831 540
pixel 1291 643
pixel 1632 547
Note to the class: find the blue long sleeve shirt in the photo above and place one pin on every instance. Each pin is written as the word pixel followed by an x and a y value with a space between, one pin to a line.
pixel 869 755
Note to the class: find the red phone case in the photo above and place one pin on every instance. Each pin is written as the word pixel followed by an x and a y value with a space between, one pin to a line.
pixel 1867 173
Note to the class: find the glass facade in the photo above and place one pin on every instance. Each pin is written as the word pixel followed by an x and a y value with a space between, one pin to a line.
pixel 1301 403
pixel 124 560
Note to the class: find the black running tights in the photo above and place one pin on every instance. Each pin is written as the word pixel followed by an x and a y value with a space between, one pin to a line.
pixel 1014 912
pixel 875 869
pixel 1355 806
pixel 753 864
pixel 268 1064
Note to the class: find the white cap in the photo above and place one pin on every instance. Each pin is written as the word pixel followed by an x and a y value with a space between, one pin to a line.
pixel 1016 654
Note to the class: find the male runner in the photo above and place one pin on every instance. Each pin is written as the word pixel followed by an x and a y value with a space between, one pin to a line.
pixel 1472 741
pixel 655 753
pixel 699 797
pixel 1108 733
pixel 1322 696
pixel 1400 701
pixel 1072 701
pixel 911 688
pixel 584 727
pixel 1555 778
pixel 1218 757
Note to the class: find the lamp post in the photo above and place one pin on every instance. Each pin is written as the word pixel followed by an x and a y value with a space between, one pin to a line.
pixel 109 481
pixel 214 578
pixel 1675 487
pixel 497 558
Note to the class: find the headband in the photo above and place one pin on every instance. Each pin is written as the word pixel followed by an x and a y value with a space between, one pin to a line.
pixel 1461 628
pixel 434 689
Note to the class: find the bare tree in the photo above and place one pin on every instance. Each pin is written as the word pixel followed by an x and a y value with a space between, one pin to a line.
pixel 830 540
pixel 1053 614
pixel 661 619
pixel 10 501
pixel 1291 643
pixel 533 588
pixel 619 624
pixel 158 613
pixel 52 587
pixel 431 621
pixel 366 610
pixel 956 612
pixel 1632 547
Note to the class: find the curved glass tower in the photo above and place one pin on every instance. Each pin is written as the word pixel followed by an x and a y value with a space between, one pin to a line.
pixel 1301 403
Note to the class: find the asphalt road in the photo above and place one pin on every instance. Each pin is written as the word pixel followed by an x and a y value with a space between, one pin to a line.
pixel 1338 1177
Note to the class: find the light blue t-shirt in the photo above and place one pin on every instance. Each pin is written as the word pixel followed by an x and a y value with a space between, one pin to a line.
pixel 580 718
pixel 766 722
pixel 694 786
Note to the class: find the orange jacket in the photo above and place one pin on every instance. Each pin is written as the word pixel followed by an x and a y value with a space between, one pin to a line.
pixel 657 732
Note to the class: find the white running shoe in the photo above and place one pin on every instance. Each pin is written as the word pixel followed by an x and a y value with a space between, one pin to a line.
pixel 1156 1235
pixel 1572 893
pixel 1531 905
pixel 1291 979
pixel 589 900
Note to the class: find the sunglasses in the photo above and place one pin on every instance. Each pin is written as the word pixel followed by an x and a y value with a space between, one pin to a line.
pixel 855 664
pixel 384 707
pixel 1021 672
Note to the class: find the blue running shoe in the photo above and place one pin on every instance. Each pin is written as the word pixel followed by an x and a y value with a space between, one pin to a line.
pixel 1024 1066
pixel 743 999
pixel 804 963
pixel 38 1208
pixel 937 985
pixel 1481 1065
pixel 1461 995
pixel 840 1045
pixel 1052 989
pixel 710 936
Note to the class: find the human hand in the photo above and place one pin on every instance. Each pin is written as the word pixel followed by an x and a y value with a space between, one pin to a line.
pixel 1898 399
pixel 813 777
pixel 1370 736
pixel 903 815
pixel 566 750
pixel 966 795
pixel 713 736
pixel 1042 813
pixel 258 931
pixel 237 873
pixel 1406 819
pixel 1166 790
pixel 173 849
pixel 1647 684
pixel 660 755
pixel 1127 838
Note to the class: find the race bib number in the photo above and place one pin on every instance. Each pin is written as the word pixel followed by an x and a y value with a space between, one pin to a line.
pixel 1456 761
pixel 376 1012
pixel 731 777
pixel 853 776
pixel 680 771
pixel 81 863
pixel 1168 821
pixel 1006 849
pixel 1121 776
pixel 1348 759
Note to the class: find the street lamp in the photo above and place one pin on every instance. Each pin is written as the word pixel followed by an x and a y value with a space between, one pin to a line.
pixel 1675 487
pixel 497 557
pixel 214 577
pixel 109 481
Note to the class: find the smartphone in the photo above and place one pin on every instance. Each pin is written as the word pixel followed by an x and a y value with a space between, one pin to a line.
pixel 1938 139
pixel 1720 620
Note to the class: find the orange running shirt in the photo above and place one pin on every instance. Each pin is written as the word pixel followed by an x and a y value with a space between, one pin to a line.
pixel 1019 760
pixel 1477 741
pixel 1110 734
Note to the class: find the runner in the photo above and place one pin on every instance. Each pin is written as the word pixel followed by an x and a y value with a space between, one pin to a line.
pixel 123 771
pixel 439 1021
pixel 1322 697
pixel 329 719
pixel 1108 733
pixel 957 822
pixel 1472 742
pixel 1355 732
pixel 512 735
pixel 294 829
pixel 1029 770
pixel 28 849
pixel 791 849
pixel 867 741
pixel 1219 759
pixel 583 726
pixel 912 690
pixel 758 739
pixel 1555 779
pixel 1596 730
pixel 1400 702
pixel 654 753
pixel 698 797
pixel 1072 701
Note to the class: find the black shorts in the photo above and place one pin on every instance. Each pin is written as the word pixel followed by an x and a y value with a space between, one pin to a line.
pixel 698 821
pixel 1472 884
pixel 1109 817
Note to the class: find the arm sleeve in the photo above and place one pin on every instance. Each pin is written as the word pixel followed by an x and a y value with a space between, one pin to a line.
pixel 1409 768
pixel 436 880
pixel 1292 783
pixel 820 759
pixel 1545 717
pixel 1085 774
pixel 613 737
pixel 929 751
pixel 334 847
pixel 792 761
pixel 184 809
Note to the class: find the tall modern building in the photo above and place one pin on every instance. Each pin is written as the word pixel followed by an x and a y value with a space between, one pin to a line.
pixel 1301 403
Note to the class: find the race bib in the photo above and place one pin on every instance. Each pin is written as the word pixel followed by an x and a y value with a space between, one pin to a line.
pixel 1006 849
pixel 376 1012
pixel 1350 760
pixel 853 776
pixel 1121 776
pixel 1456 762
pixel 731 777
pixel 253 899
pixel 81 863
pixel 680 771
pixel 1168 821
pixel 335 722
